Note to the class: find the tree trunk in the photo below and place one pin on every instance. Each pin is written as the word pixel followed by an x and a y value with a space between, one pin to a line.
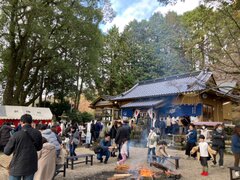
pixel 79 94
pixel 41 87
pixel 12 66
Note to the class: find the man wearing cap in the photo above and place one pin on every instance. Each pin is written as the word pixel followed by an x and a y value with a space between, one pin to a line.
pixel 24 145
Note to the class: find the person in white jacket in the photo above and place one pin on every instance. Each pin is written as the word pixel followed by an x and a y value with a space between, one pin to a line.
pixel 206 133
pixel 124 152
pixel 151 144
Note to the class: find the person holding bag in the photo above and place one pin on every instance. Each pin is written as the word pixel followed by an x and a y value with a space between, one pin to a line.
pixel 74 140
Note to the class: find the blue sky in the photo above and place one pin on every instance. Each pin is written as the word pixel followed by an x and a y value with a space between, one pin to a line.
pixel 128 10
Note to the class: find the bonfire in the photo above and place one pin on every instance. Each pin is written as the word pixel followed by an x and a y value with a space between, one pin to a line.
pixel 142 172
pixel 146 173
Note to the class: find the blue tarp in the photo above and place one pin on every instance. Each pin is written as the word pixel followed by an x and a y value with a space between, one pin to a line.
pixel 181 110
pixel 127 112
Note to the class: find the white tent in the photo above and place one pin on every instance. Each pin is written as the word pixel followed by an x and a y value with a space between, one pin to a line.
pixel 15 112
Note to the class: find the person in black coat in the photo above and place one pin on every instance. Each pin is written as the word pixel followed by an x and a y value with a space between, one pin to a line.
pixel 186 122
pixel 218 143
pixel 5 135
pixel 113 133
pixel 113 130
pixel 92 131
pixel 24 145
pixel 123 133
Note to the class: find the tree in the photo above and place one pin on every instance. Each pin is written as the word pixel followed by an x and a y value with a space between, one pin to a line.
pixel 167 2
pixel 214 39
pixel 39 37
pixel 115 73
pixel 159 41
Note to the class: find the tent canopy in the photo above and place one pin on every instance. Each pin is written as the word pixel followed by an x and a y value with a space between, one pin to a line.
pixel 15 112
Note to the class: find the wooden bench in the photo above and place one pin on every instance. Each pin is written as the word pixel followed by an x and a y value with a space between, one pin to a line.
pixel 60 168
pixel 75 159
pixel 231 172
pixel 176 161
pixel 174 158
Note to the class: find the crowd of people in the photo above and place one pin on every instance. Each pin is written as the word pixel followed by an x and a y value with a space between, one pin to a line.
pixel 36 149
pixel 172 125
pixel 204 146
pixel 116 138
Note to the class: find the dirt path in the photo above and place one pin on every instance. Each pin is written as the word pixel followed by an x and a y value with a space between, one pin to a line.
pixel 190 169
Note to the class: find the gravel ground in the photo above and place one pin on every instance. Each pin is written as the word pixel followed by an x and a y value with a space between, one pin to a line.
pixel 190 169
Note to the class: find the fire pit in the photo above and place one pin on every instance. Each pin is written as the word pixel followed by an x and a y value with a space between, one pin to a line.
pixel 141 173
pixel 137 172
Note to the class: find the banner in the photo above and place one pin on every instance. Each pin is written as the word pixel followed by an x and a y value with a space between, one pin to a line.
pixel 136 113
pixel 150 113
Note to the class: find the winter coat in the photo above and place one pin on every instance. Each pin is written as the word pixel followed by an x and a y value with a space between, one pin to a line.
pixel 104 145
pixel 218 139
pixel 4 163
pixel 196 149
pixel 235 144
pixel 168 121
pixel 98 127
pixel 62 156
pixel 46 162
pixel 92 130
pixel 152 140
pixel 5 134
pixel 24 145
pixel 51 138
pixel 74 135
pixel 123 133
pixel 192 136
pixel 113 132
pixel 157 123
pixel 185 121
pixel 162 125
pixel 206 134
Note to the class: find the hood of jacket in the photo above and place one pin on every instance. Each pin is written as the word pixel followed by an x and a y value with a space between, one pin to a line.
pixel 47 131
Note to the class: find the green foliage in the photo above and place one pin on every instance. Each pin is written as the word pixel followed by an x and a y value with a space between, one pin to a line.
pixel 64 108
pixel 47 45
pixel 213 38
pixel 56 108
pixel 75 116
pixel 115 72
pixel 79 117
pixel 86 117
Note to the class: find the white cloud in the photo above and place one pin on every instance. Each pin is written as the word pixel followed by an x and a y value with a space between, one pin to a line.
pixel 143 9
pixel 137 11
pixel 180 7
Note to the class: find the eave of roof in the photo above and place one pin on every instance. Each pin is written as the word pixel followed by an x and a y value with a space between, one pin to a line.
pixel 185 83
pixel 104 97
pixel 150 103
